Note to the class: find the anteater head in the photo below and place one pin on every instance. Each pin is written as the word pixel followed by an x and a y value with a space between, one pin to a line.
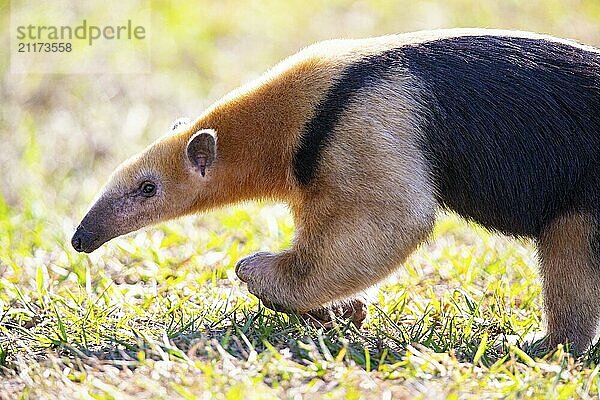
pixel 164 181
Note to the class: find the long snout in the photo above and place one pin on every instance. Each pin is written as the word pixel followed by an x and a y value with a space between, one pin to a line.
pixel 108 218
pixel 97 227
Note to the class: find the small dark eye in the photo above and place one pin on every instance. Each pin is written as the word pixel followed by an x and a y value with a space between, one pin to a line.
pixel 148 189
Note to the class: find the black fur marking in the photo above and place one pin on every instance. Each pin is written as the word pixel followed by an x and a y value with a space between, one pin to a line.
pixel 512 131
pixel 317 131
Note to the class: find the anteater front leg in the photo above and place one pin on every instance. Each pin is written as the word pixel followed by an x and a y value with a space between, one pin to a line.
pixel 570 270
pixel 364 202
pixel 340 249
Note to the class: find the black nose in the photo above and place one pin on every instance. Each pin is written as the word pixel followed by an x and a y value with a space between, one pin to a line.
pixel 82 240
pixel 76 242
pixel 86 240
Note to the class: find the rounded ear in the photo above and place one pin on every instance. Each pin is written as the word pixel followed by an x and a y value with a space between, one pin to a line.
pixel 201 150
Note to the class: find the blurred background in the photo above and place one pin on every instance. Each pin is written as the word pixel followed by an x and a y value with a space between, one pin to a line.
pixel 61 135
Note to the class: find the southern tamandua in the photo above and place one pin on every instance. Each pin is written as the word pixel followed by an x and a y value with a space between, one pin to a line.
pixel 365 139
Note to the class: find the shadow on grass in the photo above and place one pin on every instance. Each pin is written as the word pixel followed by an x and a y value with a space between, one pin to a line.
pixel 245 334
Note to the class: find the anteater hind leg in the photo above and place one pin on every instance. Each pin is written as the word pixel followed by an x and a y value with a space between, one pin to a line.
pixel 571 280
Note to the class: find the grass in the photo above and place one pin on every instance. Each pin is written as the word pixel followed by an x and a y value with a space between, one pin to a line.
pixel 160 313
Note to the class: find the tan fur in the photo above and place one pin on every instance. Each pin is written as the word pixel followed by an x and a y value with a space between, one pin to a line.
pixel 570 281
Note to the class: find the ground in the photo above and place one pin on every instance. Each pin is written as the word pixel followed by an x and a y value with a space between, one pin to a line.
pixel 161 314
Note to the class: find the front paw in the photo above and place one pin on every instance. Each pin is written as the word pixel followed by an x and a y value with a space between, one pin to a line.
pixel 267 281
pixel 247 268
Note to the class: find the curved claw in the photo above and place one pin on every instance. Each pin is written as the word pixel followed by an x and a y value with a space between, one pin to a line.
pixel 356 310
